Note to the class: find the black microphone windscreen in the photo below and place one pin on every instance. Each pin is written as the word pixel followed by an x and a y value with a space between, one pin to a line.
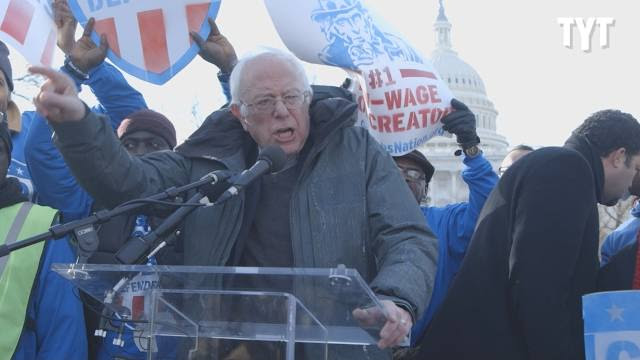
pixel 275 156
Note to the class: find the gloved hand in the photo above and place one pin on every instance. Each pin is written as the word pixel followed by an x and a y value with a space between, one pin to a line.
pixel 461 123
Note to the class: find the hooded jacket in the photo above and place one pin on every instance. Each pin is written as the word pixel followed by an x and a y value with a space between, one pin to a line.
pixel 533 255
pixel 350 204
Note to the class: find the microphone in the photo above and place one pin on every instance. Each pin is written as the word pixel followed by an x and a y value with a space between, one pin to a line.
pixel 271 159
pixel 134 250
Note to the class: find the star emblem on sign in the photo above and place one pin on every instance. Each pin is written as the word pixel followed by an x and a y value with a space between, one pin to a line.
pixel 615 313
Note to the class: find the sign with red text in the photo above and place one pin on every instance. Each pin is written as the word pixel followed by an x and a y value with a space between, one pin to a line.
pixel 400 96
pixel 148 39
pixel 28 27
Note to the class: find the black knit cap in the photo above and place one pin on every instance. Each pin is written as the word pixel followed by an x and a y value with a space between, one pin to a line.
pixel 151 121
pixel 5 65
pixel 422 161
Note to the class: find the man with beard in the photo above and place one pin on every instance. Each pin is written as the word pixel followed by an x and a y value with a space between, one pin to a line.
pixel 534 252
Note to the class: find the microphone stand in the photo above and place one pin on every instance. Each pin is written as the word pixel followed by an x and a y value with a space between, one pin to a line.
pixel 84 228
pixel 136 251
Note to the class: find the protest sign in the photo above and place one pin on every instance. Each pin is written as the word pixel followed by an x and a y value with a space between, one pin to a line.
pixel 612 325
pixel 148 39
pixel 28 27
pixel 400 96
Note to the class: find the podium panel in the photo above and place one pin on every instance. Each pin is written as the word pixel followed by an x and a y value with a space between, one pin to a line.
pixel 193 312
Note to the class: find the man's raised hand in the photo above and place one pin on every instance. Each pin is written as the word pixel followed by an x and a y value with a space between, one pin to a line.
pixel 66 24
pixel 85 54
pixel 216 49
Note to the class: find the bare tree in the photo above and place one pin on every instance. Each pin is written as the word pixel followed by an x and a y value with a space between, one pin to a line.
pixel 26 86
pixel 613 216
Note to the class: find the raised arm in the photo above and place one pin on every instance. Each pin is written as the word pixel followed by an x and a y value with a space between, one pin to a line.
pixel 90 148
pixel 85 63
pixel 57 186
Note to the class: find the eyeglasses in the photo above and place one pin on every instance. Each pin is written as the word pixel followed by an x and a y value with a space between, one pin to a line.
pixel 268 104
pixel 413 175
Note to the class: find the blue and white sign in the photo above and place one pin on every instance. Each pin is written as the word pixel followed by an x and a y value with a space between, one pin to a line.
pixel 148 39
pixel 400 96
pixel 612 325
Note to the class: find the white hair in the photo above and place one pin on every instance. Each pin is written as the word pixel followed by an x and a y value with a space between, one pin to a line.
pixel 236 79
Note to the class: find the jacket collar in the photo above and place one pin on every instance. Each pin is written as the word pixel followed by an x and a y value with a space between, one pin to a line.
pixel 221 137
pixel 582 145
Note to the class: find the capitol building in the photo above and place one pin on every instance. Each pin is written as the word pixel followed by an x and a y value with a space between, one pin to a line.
pixel 447 186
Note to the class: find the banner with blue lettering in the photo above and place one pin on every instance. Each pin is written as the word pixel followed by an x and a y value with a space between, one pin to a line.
pixel 148 39
pixel 612 325
pixel 400 95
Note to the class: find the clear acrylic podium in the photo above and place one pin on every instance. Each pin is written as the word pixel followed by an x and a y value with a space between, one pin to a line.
pixel 194 312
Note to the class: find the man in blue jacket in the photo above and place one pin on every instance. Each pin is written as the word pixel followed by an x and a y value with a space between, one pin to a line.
pixel 58 187
pixel 86 66
pixel 453 224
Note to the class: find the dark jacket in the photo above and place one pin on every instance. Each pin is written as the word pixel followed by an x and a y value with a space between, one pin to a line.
pixel 533 255
pixel 618 273
pixel 350 204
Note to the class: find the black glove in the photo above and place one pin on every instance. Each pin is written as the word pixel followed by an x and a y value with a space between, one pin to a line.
pixel 461 123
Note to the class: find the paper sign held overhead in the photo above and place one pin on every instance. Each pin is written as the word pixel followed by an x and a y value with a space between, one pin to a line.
pixel 148 39
pixel 400 95
pixel 27 26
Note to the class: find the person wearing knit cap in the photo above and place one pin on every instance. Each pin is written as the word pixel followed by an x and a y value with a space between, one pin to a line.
pixel 58 188
pixel 5 65
pixel 146 131
pixel 40 314
pixel 17 125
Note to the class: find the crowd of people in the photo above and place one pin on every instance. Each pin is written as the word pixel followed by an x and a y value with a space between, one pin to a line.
pixel 499 276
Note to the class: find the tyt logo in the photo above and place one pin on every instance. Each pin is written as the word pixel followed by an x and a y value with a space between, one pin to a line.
pixel 585 29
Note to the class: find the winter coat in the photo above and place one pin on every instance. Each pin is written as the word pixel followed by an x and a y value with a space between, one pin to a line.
pixel 620 271
pixel 533 255
pixel 350 205
pixel 453 225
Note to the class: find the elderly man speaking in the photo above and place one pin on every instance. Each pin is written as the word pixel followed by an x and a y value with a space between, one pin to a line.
pixel 339 199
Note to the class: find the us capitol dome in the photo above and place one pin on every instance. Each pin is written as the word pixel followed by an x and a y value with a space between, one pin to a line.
pixel 447 186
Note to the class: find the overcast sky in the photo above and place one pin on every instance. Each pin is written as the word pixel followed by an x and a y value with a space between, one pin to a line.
pixel 541 89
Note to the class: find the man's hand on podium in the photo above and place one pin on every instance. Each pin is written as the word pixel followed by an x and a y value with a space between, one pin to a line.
pixel 396 327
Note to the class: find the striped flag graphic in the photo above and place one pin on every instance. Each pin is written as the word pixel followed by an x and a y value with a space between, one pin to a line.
pixel 27 26
pixel 149 39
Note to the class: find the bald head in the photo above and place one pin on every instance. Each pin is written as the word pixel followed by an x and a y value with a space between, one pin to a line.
pixel 514 155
